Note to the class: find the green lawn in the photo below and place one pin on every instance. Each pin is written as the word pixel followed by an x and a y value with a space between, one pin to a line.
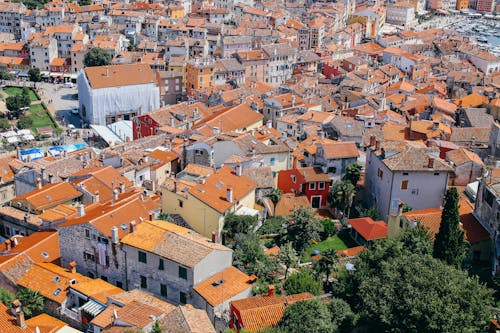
pixel 338 242
pixel 12 91
pixel 40 117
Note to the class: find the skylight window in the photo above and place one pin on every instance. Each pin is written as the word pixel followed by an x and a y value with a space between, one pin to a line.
pixel 57 292
pixel 56 279
pixel 124 226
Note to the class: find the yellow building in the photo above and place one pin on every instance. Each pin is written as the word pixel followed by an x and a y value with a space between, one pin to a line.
pixel 462 4
pixel 200 76
pixel 204 205
pixel 175 11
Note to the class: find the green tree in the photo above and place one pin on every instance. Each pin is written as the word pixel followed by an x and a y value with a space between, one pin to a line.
pixel 406 208
pixel 416 240
pixel 156 328
pixel 6 297
pixel 310 316
pixel 275 196
pixel 4 124
pixel 328 228
pixel 343 318
pixel 249 256
pixel 370 212
pixel 417 293
pixel 17 102
pixel 288 257
pixel 24 122
pixel 164 216
pixel 300 282
pixel 31 300
pixel 326 264
pixel 97 57
pixel 450 244
pixel 340 196
pixel 353 173
pixel 237 224
pixel 5 74
pixel 34 74
pixel 303 228
pixel 84 2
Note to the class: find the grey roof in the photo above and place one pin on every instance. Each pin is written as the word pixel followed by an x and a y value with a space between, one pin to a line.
pixel 280 50
pixel 477 117
pixel 230 65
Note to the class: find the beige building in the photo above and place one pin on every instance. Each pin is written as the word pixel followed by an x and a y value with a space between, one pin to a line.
pixel 204 205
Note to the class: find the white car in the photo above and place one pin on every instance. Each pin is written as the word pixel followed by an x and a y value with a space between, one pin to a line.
pixel 75 110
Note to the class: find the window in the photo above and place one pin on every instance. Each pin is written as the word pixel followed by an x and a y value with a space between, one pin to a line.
pixel 405 173
pixel 332 170
pixel 182 298
pixel 142 257
pixel 181 203
pixel 273 160
pixel 404 185
pixel 182 273
pixel 321 185
pixel 144 282
pixel 294 179
pixel 163 290
pixel 380 173
pixel 87 233
pixel 161 267
pixel 236 324
pixel 312 186
pixel 436 173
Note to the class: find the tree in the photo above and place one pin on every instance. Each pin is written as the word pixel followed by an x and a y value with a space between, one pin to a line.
pixel 6 297
pixel 326 264
pixel 97 57
pixel 450 244
pixel 370 212
pixel 34 74
pixel 84 2
pixel 249 256
pixel 328 228
pixel 300 282
pixel 17 102
pixel 406 208
pixel 416 240
pixel 353 173
pixel 31 300
pixel 237 224
pixel 24 122
pixel 342 316
pixel 5 74
pixel 164 216
pixel 303 228
pixel 310 316
pixel 288 257
pixel 156 328
pixel 275 196
pixel 4 124
pixel 417 293
pixel 340 196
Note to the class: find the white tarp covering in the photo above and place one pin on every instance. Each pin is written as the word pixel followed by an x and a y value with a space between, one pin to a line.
pixel 106 134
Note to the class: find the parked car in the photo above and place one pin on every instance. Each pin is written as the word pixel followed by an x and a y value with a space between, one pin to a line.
pixel 75 110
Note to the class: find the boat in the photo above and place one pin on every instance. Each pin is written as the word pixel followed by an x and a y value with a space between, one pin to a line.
pixel 481 39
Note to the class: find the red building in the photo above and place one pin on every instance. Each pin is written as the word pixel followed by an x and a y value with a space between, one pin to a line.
pixel 310 181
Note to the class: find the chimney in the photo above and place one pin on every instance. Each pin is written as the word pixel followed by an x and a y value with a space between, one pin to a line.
pixel 81 210
pixel 430 164
pixel 293 100
pixel 377 144
pixel 115 195
pixel 27 217
pixel 18 312
pixel 172 122
pixel 72 267
pixel 150 216
pixel 382 152
pixel 269 124
pixel 372 140
pixel 114 235
pixel 435 125
pixel 96 196
pixel 214 236
pixel 7 245
pixel 270 290
pixel 107 71
pixel 229 196
pixel 132 226
pixel 122 187
pixel 14 242
pixel 42 172
pixel 151 131
pixel 39 183
pixel 239 169
pixel 18 151
pixel 215 131
pixel 51 178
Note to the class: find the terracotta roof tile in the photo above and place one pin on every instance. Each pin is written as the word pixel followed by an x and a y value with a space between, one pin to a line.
pixel 186 319
pixel 119 75
pixel 48 196
pixel 289 203
pixel 368 228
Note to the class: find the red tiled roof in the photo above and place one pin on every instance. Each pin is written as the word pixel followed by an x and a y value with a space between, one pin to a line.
pixel 368 228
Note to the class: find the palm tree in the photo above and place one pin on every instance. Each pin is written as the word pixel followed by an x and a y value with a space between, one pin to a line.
pixel 275 197
pixel 340 196
pixel 164 216
pixel 326 264
pixel 31 300
pixel 353 173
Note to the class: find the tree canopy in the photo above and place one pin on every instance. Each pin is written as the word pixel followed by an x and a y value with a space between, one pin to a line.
pixel 450 244
pixel 237 224
pixel 340 196
pixel 34 74
pixel 97 57
pixel 303 228
pixel 310 316
pixel 24 122
pixel 300 282
pixel 353 173
pixel 5 74
pixel 17 102
pixel 31 300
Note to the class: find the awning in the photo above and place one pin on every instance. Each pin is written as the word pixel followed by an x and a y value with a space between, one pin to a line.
pixel 44 73
pixel 93 308
pixel 67 75
pixel 55 74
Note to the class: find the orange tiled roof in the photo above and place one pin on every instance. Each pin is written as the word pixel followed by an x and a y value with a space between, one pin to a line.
pixel 224 286
pixel 119 75
pixel 48 196
pixel 368 228
pixel 259 312
pixel 289 203
pixel 472 100
pixel 42 246
pixel 350 252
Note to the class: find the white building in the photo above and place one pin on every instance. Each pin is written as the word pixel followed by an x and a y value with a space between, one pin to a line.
pixel 414 175
pixel 402 13
pixel 42 51
pixel 486 62
pixel 119 92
